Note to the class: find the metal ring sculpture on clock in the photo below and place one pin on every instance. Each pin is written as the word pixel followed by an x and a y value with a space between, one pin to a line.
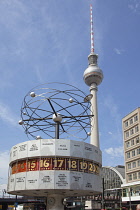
pixel 50 112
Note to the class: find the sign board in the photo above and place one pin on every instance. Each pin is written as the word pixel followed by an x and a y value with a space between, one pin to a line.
pixel 55 163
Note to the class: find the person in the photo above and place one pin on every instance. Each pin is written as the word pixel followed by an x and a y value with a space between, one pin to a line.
pixel 138 207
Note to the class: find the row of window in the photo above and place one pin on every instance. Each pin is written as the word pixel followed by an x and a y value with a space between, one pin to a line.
pixel 131 121
pixel 131 131
pixel 133 153
pixel 133 164
pixel 135 191
pixel 133 142
pixel 134 176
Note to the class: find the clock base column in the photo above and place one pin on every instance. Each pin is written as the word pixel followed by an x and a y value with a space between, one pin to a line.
pixel 55 202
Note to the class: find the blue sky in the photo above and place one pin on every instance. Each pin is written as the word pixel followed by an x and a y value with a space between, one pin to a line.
pixel 49 41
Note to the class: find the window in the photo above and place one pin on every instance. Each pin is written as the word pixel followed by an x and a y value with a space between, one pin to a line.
pixel 131 131
pixel 131 121
pixel 126 124
pixel 127 134
pixel 138 151
pixel 136 190
pixel 128 144
pixel 136 128
pixel 137 140
pixel 134 175
pixel 139 175
pixel 128 154
pixel 132 142
pixel 134 165
pixel 129 177
pixel 124 193
pixel 135 118
pixel 138 162
pixel 129 166
pixel 133 153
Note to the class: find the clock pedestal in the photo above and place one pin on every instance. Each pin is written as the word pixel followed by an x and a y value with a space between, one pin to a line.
pixel 55 202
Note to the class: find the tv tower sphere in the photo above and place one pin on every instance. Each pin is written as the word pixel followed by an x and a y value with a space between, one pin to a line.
pixel 93 74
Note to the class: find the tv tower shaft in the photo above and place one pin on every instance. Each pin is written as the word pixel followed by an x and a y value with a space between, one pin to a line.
pixel 94 138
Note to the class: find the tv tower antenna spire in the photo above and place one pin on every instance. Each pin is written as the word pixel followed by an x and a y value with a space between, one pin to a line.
pixel 93 76
pixel 91 30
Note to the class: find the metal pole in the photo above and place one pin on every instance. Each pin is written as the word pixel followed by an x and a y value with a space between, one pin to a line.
pixel 120 194
pixel 16 203
pixel 103 194
pixel 130 198
pixel 57 130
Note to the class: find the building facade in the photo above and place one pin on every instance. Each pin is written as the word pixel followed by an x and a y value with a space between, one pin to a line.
pixel 131 138
pixel 112 179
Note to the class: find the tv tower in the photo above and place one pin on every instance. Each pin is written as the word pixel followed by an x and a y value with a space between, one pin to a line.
pixel 93 76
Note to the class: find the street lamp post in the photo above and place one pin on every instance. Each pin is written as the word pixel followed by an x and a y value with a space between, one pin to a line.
pixel 120 194
pixel 129 193
pixel 103 195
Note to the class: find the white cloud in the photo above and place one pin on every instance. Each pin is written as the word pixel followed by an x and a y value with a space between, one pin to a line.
pixel 4 166
pixel 4 162
pixel 118 51
pixel 113 109
pixel 7 115
pixel 110 133
pixel 39 75
pixel 115 152
pixel 113 149
pixel 111 105
pixel 134 6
